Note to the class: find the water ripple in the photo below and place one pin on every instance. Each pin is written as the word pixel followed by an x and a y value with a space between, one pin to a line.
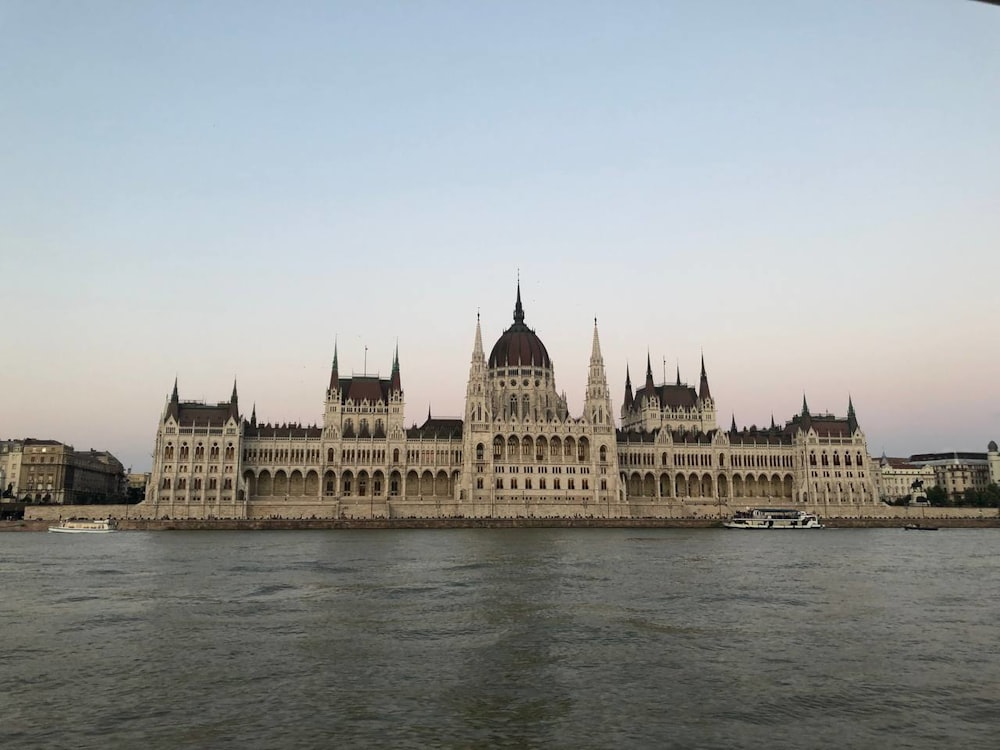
pixel 540 638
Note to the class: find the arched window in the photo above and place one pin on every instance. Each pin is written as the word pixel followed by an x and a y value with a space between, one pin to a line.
pixel 513 407
pixel 479 452
pixel 604 455
pixel 395 455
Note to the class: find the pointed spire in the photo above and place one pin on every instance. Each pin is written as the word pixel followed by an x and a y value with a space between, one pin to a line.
pixel 732 427
pixel 477 349
pixel 595 349
pixel 806 416
pixel 703 391
pixel 174 405
pixel 395 383
pixel 852 418
pixel 334 375
pixel 253 415
pixel 234 409
pixel 428 411
pixel 629 398
pixel 678 373
pixel 773 425
pixel 518 308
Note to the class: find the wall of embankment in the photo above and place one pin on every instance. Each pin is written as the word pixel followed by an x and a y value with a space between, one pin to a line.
pixel 291 524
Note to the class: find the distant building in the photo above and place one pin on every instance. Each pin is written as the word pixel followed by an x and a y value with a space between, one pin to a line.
pixel 11 452
pixel 897 478
pixel 53 472
pixel 993 459
pixel 137 481
pixel 956 472
pixel 517 452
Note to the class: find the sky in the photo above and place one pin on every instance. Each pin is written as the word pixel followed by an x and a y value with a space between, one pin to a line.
pixel 806 192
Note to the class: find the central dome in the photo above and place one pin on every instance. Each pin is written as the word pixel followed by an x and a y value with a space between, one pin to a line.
pixel 519 346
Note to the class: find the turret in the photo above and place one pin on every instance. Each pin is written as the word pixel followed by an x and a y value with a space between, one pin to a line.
pixel 476 401
pixel 234 409
pixel 629 399
pixel 394 383
pixel 174 405
pixel 334 375
pixel 852 419
pixel 598 402
pixel 703 392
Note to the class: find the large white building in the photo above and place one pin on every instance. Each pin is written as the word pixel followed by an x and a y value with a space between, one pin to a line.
pixel 897 478
pixel 517 452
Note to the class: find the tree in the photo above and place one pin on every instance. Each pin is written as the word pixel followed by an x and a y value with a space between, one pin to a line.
pixel 937 497
pixel 991 496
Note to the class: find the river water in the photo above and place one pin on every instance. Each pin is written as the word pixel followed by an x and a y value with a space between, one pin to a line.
pixel 599 638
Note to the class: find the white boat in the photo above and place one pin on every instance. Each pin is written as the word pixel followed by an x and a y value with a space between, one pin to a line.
pixel 773 518
pixel 104 526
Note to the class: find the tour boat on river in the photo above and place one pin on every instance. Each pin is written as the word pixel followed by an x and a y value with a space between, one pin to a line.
pixel 773 518
pixel 104 526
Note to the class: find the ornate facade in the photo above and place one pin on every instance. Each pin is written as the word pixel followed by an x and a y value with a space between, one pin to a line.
pixel 517 451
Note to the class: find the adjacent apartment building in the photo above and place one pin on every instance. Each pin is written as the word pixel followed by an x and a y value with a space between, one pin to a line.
pixel 52 472
pixel 958 471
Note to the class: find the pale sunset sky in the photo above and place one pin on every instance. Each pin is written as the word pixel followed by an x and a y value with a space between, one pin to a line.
pixel 807 192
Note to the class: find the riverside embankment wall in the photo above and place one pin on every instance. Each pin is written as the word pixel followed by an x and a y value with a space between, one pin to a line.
pixel 292 524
